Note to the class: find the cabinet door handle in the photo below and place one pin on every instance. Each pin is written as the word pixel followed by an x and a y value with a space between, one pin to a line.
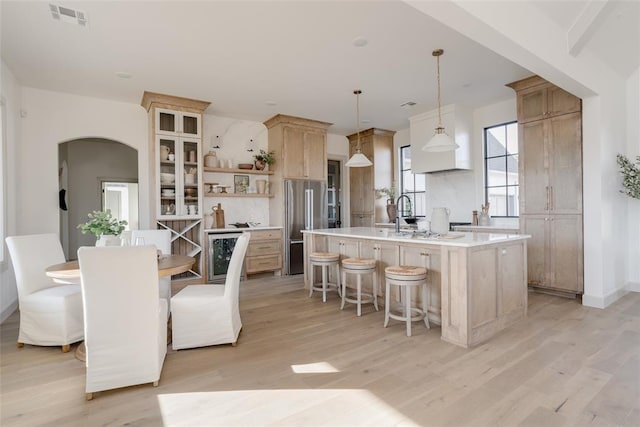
pixel 547 190
pixel 551 198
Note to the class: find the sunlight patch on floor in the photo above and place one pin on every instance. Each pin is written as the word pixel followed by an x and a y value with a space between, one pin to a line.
pixel 314 368
pixel 286 407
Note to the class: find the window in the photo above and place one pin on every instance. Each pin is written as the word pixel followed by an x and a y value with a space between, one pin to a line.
pixel 412 185
pixel 501 169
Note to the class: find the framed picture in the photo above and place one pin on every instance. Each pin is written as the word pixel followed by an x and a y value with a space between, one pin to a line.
pixel 240 183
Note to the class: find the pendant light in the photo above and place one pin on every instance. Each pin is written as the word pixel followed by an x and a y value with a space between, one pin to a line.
pixel 440 141
pixel 358 160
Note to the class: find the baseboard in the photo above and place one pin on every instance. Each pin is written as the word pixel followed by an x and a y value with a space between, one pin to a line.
pixel 8 311
pixel 606 301
pixel 633 286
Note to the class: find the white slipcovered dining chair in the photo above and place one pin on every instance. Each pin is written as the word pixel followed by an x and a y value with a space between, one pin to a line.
pixel 50 313
pixel 206 315
pixel 161 239
pixel 125 319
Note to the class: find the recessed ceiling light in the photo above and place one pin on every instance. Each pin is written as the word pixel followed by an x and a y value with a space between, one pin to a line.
pixel 123 75
pixel 360 41
pixel 271 103
pixel 468 84
pixel 366 121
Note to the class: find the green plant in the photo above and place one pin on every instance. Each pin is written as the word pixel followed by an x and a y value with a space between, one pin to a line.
pixel 265 157
pixel 389 192
pixel 102 223
pixel 630 176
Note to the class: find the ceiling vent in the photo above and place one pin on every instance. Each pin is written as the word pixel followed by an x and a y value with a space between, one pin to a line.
pixel 67 15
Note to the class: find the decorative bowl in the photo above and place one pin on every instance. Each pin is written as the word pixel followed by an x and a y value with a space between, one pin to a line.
pixel 167 178
pixel 246 166
pixel 190 192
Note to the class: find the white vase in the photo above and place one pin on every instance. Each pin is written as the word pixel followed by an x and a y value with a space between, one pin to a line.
pixel 108 240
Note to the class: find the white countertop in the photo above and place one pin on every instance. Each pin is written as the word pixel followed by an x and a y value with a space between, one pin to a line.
pixel 235 229
pixel 451 239
pixel 487 228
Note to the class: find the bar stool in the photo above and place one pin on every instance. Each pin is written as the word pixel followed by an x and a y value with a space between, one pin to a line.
pixel 405 277
pixel 324 260
pixel 359 266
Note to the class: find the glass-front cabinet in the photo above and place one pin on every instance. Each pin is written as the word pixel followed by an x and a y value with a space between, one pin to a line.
pixel 178 123
pixel 179 177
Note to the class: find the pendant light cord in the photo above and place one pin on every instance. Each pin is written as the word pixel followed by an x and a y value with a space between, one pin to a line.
pixel 438 72
pixel 358 92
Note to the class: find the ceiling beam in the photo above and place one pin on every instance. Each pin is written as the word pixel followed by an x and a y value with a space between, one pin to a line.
pixel 586 25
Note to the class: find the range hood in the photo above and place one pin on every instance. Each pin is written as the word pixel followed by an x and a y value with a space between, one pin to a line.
pixel 457 122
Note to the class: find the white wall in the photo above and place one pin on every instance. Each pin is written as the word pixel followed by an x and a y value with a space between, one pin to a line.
pixel 52 118
pixel 633 205
pixel 10 93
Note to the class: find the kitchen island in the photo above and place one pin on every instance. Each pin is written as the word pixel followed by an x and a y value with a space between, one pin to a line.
pixel 477 281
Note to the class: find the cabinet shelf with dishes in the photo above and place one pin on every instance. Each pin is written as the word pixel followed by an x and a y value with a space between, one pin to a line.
pixel 238 195
pixel 237 171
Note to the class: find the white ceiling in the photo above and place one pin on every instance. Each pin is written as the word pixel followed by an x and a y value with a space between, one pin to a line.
pixel 241 55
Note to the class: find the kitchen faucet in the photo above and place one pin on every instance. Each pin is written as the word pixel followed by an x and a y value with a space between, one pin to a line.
pixel 398 210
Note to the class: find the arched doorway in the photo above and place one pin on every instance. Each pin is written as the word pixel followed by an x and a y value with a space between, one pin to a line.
pixel 86 166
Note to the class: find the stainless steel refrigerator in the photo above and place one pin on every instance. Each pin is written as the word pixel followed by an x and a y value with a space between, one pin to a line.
pixel 306 209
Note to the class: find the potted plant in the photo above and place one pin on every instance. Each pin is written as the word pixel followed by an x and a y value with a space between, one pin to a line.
pixel 264 159
pixel 390 193
pixel 630 176
pixel 106 228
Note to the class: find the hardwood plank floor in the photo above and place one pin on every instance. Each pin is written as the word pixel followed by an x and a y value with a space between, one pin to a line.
pixel 564 365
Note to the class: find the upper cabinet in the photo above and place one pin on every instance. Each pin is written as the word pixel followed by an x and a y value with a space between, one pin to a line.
pixel 178 123
pixel 457 122
pixel 539 99
pixel 176 129
pixel 300 147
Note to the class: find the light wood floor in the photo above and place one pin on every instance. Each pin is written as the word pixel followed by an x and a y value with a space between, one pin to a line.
pixel 563 365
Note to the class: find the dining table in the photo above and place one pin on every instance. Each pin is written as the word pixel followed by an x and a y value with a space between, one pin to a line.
pixel 69 273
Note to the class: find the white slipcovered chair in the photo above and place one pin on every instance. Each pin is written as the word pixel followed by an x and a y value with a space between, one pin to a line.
pixel 161 239
pixel 50 313
pixel 209 314
pixel 125 319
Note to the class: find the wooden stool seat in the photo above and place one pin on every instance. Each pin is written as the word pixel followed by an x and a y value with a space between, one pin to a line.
pixel 405 277
pixel 359 266
pixel 324 260
pixel 324 256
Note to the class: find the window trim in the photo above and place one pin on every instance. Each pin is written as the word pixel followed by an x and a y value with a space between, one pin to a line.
pixel 411 194
pixel 486 169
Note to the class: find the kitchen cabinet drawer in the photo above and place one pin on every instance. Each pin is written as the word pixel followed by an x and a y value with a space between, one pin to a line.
pixel 264 247
pixel 265 235
pixel 257 264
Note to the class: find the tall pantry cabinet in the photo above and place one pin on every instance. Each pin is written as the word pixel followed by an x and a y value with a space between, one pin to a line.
pixel 175 172
pixel 550 169
pixel 377 145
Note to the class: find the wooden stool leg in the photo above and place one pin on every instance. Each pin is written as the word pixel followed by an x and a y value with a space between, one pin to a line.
pixel 407 305
pixel 311 268
pixel 66 348
pixel 387 290
pixel 338 279
pixel 425 304
pixel 19 344
pixel 375 289
pixel 344 287
pixel 324 282
pixel 359 294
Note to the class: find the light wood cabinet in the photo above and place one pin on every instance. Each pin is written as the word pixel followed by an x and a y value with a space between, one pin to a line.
pixel 300 147
pixel 175 128
pixel 385 254
pixel 377 145
pixel 550 168
pixel 539 99
pixel 264 252
pixel 554 252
